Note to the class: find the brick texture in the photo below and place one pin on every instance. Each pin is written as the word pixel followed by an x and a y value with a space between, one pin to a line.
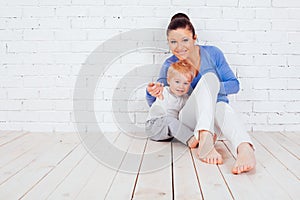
pixel 58 60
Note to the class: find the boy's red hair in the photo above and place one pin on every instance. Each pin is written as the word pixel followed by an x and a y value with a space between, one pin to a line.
pixel 182 67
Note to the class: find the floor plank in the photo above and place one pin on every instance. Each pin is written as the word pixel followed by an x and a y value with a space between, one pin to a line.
pixel 74 183
pixel 128 173
pixel 278 171
pixel 294 137
pixel 186 185
pixel 18 162
pixel 68 166
pixel 278 152
pixel 23 181
pixel 155 178
pixel 240 186
pixel 52 180
pixel 95 189
pixel 9 136
pixel 17 147
pixel 288 145
pixel 257 184
pixel 211 181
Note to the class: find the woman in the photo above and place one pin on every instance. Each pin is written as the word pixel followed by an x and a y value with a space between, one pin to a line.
pixel 207 110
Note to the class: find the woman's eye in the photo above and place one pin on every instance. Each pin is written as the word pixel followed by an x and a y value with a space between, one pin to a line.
pixel 185 39
pixel 173 42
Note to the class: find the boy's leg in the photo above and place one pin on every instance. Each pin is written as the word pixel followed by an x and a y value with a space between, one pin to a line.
pixel 199 113
pixel 181 132
pixel 233 129
pixel 157 129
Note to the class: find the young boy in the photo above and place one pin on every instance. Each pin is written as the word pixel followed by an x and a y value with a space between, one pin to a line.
pixel 162 121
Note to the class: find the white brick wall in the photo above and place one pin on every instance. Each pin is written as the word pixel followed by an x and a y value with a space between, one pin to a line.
pixel 43 44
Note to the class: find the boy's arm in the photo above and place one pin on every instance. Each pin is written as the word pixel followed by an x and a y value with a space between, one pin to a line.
pixel 161 95
pixel 156 88
pixel 161 79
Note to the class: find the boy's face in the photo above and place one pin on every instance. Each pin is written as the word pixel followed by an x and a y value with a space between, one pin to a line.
pixel 179 84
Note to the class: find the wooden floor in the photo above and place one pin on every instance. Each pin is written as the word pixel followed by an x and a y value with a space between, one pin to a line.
pixel 58 166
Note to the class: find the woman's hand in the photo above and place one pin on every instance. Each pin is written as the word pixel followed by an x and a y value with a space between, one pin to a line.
pixel 156 89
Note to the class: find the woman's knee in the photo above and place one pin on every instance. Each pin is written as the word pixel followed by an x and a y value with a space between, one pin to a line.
pixel 212 79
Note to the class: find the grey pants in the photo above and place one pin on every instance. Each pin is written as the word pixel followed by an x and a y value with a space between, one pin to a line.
pixel 165 128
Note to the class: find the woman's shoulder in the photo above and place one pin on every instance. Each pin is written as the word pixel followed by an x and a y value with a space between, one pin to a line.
pixel 171 60
pixel 211 49
pixel 214 53
pixel 168 62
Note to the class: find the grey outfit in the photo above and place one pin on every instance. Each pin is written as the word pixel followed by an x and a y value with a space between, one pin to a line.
pixel 162 121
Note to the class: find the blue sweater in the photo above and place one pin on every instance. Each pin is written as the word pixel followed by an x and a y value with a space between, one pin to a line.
pixel 212 60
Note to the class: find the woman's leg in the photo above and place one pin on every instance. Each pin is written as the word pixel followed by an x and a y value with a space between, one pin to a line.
pixel 230 125
pixel 232 128
pixel 199 113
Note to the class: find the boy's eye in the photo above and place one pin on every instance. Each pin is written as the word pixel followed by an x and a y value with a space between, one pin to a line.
pixel 173 42
pixel 176 81
pixel 186 83
pixel 185 39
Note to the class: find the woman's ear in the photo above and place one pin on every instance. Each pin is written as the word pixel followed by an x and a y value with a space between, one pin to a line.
pixel 195 37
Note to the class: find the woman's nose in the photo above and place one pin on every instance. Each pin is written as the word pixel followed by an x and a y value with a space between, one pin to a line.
pixel 179 45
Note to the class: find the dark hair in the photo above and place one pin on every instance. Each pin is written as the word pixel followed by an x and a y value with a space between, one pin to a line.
pixel 180 20
pixel 180 15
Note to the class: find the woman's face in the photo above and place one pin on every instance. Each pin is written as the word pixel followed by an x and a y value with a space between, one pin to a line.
pixel 181 43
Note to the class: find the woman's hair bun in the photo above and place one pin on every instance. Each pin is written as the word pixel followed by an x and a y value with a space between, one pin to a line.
pixel 180 15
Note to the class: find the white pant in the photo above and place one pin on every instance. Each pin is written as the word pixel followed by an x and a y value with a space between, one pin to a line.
pixel 201 112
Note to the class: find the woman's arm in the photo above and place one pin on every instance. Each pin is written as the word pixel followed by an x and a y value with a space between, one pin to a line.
pixel 229 83
pixel 150 99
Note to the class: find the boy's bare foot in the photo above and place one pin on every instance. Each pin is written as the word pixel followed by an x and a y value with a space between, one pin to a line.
pixel 192 142
pixel 206 150
pixel 245 159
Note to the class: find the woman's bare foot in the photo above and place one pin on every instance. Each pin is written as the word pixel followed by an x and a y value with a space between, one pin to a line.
pixel 206 150
pixel 245 159
pixel 193 142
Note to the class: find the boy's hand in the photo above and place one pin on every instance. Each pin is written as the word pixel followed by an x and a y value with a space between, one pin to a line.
pixel 161 96
pixel 156 89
